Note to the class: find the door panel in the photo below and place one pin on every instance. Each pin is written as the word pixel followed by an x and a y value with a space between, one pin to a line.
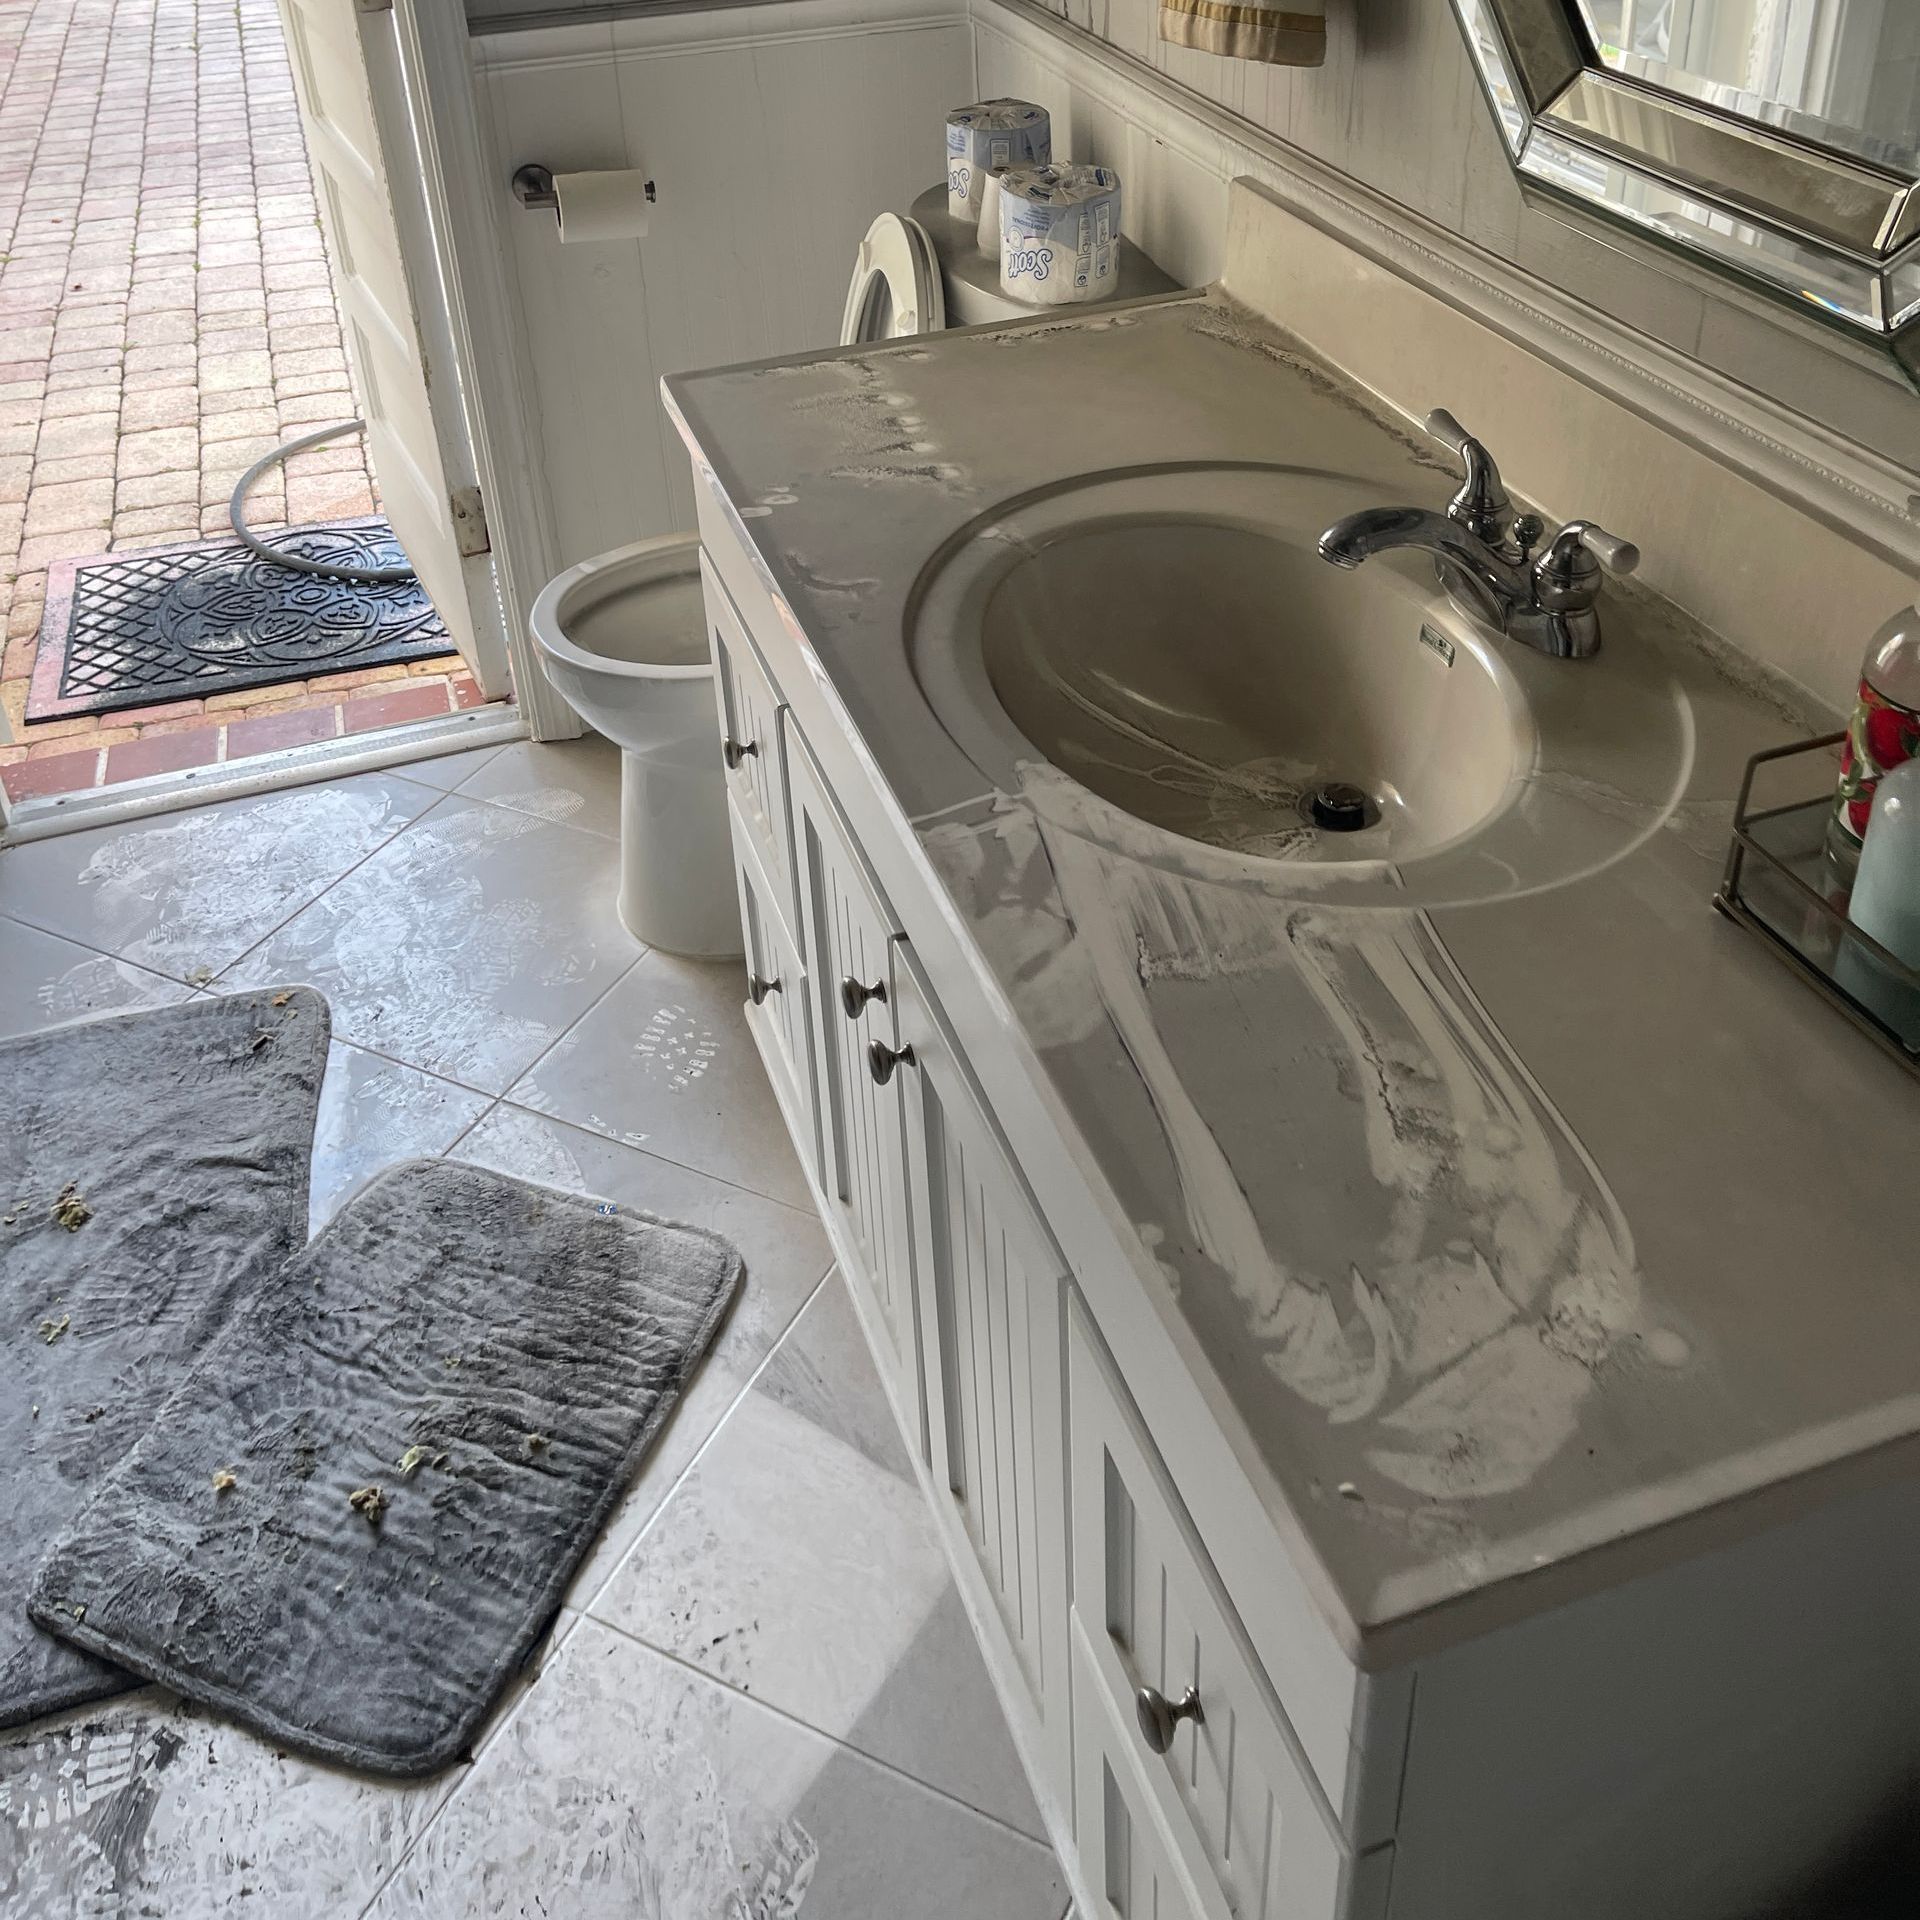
pixel 849 939
pixel 776 994
pixel 381 313
pixel 1128 1862
pixel 991 1289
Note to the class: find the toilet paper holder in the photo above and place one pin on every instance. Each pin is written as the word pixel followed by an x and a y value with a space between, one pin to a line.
pixel 533 186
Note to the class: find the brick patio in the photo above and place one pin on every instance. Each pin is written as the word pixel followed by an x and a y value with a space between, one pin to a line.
pixel 165 319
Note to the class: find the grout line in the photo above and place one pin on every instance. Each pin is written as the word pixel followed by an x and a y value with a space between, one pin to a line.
pixel 494 1103
pixel 567 1605
pixel 87 946
pixel 378 847
pixel 833 1739
pixel 426 1073
pixel 805 1208
pixel 585 1608
pixel 572 1025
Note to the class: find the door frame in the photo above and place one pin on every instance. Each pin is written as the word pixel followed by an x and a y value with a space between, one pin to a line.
pixel 425 108
pixel 420 75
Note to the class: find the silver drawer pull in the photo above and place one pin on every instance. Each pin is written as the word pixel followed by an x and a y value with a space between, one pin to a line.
pixel 854 997
pixel 882 1059
pixel 1160 1717
pixel 734 751
pixel 759 986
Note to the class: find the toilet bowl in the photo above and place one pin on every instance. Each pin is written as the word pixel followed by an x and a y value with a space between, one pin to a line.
pixel 623 637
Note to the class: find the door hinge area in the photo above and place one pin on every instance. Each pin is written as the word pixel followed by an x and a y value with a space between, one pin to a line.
pixel 469 522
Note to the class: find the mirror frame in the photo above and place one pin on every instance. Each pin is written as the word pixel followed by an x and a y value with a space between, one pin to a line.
pixel 1830 232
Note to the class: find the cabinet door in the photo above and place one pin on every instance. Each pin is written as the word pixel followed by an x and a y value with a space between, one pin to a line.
pixel 750 713
pixel 777 1006
pixel 1232 1788
pixel 849 942
pixel 1125 1856
pixel 992 1288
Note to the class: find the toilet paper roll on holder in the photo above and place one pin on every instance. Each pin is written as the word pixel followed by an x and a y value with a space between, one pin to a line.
pixel 533 187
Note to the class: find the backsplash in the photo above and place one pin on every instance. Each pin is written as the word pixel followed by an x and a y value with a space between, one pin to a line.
pixel 1788 531
pixel 1398 108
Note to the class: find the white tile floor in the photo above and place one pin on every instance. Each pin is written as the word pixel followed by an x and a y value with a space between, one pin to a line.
pixel 763 1700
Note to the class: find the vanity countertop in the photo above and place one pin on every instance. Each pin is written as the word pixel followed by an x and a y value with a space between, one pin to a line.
pixel 1517 1227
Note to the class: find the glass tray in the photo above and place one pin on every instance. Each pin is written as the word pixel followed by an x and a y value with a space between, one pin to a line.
pixel 1780 885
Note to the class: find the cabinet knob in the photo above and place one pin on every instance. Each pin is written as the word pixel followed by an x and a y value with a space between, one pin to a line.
pixel 854 997
pixel 1160 1717
pixel 882 1059
pixel 759 986
pixel 734 751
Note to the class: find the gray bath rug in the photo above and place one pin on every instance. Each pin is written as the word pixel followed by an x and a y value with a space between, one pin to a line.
pixel 153 1169
pixel 354 1520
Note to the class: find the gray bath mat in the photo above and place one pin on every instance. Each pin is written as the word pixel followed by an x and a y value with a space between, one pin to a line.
pixel 153 1168
pixel 354 1520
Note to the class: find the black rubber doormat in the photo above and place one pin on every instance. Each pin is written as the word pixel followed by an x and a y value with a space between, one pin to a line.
pixel 178 623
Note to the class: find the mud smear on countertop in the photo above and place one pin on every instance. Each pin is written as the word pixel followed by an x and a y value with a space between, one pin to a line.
pixel 1224 319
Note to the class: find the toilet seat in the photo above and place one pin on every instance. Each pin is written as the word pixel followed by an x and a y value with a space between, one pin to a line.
pixel 896 290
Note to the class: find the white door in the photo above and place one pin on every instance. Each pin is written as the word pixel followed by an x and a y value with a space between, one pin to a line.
pixel 360 138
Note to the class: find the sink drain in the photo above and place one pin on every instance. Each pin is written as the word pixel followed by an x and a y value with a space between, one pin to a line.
pixel 1339 807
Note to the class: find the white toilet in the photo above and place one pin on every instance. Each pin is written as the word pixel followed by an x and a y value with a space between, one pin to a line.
pixel 624 640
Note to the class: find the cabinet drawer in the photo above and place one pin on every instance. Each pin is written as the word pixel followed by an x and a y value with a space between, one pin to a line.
pixel 1124 1853
pixel 849 936
pixel 750 739
pixel 1232 1786
pixel 991 1285
pixel 777 1004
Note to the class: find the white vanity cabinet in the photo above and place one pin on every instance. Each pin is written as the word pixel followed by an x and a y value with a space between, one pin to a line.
pixel 992 1288
pixel 1205 1744
pixel 851 936
pixel 1081 1572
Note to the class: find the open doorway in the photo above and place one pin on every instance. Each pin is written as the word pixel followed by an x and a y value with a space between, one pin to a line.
pixel 171 313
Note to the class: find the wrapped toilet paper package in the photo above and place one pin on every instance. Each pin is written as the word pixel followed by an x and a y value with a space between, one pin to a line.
pixel 986 137
pixel 987 234
pixel 1059 234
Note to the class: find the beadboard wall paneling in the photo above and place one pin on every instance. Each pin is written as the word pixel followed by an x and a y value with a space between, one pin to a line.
pixel 1397 108
pixel 775 135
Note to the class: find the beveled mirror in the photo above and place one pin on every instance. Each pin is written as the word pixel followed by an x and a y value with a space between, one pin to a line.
pixel 1778 139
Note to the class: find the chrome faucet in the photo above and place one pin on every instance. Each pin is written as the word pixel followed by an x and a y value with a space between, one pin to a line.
pixel 1485 554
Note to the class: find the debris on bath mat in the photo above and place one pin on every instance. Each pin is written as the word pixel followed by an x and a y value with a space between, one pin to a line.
pixel 200 977
pixel 369 1503
pixel 1347 1490
pixel 281 999
pixel 225 1480
pixel 51 1330
pixel 535 1441
pixel 69 1209
pixel 417 1457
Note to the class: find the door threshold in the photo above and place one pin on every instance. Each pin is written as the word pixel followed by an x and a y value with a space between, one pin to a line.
pixel 412 740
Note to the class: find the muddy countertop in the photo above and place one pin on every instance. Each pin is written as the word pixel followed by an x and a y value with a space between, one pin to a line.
pixel 1520 1209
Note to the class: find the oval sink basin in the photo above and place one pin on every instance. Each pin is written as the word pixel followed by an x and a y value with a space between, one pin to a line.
pixel 1228 685
pixel 1224 703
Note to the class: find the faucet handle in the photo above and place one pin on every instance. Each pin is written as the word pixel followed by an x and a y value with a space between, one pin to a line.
pixel 1447 430
pixel 1578 545
pixel 1481 505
